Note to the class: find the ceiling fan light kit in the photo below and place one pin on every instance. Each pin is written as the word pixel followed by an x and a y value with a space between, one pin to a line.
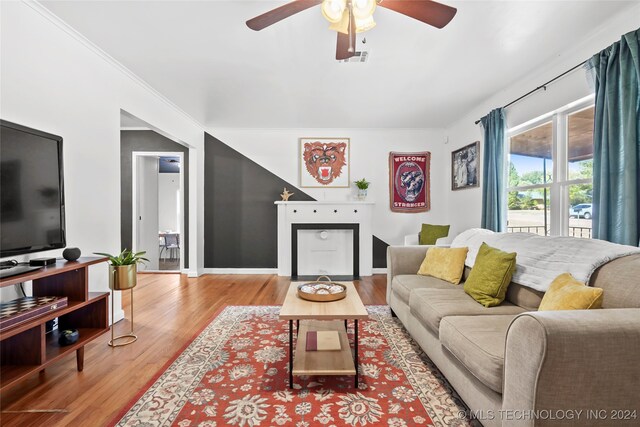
pixel 333 10
pixel 362 24
pixel 348 17
pixel 363 9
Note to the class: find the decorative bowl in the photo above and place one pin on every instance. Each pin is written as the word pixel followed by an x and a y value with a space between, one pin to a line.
pixel 68 337
pixel 322 290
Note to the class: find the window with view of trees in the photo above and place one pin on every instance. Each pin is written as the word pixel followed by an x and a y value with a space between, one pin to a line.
pixel 550 190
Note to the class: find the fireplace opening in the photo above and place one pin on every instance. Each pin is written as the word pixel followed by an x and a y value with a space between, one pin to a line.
pixel 327 249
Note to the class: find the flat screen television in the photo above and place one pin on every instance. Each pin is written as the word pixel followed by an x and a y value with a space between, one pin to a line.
pixel 31 191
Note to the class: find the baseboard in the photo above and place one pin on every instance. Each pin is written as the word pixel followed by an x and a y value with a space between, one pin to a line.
pixel 258 271
pixel 239 271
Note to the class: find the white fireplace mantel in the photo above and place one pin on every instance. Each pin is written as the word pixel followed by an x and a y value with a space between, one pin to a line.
pixel 325 212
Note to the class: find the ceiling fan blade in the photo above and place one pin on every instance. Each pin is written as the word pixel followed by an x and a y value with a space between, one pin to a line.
pixel 427 11
pixel 278 14
pixel 346 44
pixel 342 47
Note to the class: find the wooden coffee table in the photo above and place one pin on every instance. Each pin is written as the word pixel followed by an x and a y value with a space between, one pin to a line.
pixel 323 316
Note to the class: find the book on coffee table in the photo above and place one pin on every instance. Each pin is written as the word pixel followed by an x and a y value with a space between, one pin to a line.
pixel 323 340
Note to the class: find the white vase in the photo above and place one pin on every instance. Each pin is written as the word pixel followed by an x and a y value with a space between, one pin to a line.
pixel 362 194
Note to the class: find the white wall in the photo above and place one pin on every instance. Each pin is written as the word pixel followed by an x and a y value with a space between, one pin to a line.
pixel 168 201
pixel 464 205
pixel 54 80
pixel 277 150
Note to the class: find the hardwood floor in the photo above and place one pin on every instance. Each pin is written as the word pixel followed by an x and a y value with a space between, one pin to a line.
pixel 169 310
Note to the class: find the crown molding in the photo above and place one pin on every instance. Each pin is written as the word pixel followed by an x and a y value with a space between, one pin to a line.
pixel 57 21
pixel 130 128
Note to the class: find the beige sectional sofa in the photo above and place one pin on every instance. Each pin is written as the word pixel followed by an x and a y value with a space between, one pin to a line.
pixel 513 365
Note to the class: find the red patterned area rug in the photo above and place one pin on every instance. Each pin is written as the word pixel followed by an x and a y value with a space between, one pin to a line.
pixel 235 372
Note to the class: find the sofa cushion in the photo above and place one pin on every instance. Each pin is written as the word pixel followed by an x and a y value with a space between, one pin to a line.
pixel 619 279
pixel 523 296
pixel 403 284
pixel 478 342
pixel 444 263
pixel 430 233
pixel 567 293
pixel 491 275
pixel 429 306
pixel 467 271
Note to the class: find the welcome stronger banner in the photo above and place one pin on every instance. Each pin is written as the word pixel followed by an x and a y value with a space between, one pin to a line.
pixel 409 181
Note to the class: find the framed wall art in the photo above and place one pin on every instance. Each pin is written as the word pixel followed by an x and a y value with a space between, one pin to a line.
pixel 324 162
pixel 409 181
pixel 465 167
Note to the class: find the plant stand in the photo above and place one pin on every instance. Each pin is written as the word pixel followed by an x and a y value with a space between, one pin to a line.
pixel 131 336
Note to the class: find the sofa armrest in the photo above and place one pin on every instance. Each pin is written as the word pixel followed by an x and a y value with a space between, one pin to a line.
pixel 572 361
pixel 403 260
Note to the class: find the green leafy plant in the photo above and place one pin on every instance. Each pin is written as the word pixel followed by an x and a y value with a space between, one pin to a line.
pixel 126 257
pixel 362 184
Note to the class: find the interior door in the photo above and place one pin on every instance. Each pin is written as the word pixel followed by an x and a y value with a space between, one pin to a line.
pixel 147 210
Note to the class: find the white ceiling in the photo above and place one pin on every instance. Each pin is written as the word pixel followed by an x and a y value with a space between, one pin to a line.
pixel 201 56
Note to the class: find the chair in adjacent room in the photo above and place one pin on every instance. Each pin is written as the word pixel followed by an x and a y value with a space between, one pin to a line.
pixel 162 244
pixel 172 245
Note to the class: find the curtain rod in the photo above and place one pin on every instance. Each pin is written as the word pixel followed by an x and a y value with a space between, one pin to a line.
pixel 543 86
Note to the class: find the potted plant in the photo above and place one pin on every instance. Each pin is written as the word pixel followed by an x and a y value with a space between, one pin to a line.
pixel 362 185
pixel 123 268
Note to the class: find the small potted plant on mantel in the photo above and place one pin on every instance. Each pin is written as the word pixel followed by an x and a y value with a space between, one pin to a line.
pixel 362 185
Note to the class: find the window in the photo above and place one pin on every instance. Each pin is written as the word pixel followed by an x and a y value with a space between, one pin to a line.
pixel 550 168
pixel 580 171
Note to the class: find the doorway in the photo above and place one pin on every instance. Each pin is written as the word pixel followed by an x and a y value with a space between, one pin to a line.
pixel 158 217
pixel 151 144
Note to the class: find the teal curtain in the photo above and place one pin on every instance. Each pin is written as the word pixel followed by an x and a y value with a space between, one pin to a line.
pixel 616 138
pixel 493 173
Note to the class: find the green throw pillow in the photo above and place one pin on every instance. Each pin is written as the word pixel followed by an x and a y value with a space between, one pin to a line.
pixel 431 233
pixel 490 276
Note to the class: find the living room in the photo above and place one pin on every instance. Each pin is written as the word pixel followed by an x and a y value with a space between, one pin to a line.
pixel 240 107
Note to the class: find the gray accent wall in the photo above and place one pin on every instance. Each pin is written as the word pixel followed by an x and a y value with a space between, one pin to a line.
pixel 147 140
pixel 379 253
pixel 240 219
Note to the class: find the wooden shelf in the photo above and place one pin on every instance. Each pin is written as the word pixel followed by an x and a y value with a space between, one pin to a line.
pixel 71 306
pixel 25 348
pixel 335 362
pixel 60 266
pixel 13 374
pixel 55 351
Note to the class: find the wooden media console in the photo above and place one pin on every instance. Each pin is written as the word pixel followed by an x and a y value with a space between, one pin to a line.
pixel 26 348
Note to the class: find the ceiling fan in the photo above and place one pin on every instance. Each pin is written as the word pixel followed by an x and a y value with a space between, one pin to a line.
pixel 349 17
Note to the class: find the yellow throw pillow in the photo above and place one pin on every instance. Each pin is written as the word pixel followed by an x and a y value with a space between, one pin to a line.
pixel 567 293
pixel 444 263
pixel 490 276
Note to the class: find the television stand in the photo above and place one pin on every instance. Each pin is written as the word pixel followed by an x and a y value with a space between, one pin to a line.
pixel 18 269
pixel 25 348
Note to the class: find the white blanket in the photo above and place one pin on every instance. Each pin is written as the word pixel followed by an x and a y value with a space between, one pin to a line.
pixel 540 259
